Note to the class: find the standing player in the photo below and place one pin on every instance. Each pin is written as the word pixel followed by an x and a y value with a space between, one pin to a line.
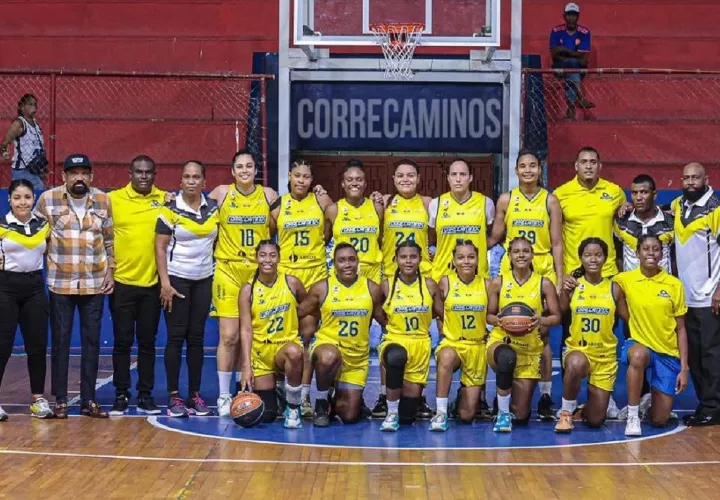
pixel 405 349
pixel 516 359
pixel 593 302
pixel 300 220
pixel 658 339
pixel 465 299
pixel 269 330
pixel 244 221
pixel 345 303
pixel 531 212
pixel 357 220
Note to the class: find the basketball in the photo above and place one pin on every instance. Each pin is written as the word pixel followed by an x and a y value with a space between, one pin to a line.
pixel 246 409
pixel 516 318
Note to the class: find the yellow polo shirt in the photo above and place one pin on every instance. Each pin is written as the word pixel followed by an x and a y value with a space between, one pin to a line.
pixel 588 213
pixel 134 218
pixel 654 303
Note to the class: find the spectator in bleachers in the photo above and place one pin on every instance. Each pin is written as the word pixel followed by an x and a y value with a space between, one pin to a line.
pixel 570 49
pixel 29 160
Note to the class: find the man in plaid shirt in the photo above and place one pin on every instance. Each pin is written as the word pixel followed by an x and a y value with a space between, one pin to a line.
pixel 80 264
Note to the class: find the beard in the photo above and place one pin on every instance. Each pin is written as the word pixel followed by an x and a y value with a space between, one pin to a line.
pixel 694 195
pixel 79 189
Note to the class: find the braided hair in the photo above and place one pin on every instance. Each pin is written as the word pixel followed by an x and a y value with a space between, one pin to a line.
pixel 466 243
pixel 406 244
pixel 580 271
pixel 300 162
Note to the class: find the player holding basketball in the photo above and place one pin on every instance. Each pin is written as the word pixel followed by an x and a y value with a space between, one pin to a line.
pixel 244 221
pixel 465 301
pixel 300 220
pixel 658 339
pixel 269 334
pixel 531 212
pixel 593 302
pixel 516 358
pixel 405 349
pixel 345 303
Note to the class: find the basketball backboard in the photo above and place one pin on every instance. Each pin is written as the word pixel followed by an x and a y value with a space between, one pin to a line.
pixel 448 23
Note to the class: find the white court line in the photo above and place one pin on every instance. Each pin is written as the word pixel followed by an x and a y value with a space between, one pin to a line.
pixel 355 464
pixel 153 420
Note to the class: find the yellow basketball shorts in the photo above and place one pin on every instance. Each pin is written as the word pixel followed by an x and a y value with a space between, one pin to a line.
pixel 263 354
pixel 308 276
pixel 371 271
pixel 230 276
pixel 355 365
pixel 603 371
pixel 417 368
pixel 528 362
pixel 473 360
pixel 543 264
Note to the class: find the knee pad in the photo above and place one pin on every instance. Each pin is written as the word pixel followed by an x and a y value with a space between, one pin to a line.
pixel 505 360
pixel 269 398
pixel 407 410
pixel 521 421
pixel 395 358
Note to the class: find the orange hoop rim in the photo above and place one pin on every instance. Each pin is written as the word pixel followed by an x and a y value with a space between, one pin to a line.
pixel 388 27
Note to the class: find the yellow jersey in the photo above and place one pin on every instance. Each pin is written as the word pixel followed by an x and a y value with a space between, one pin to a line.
pixel 346 314
pixel 593 317
pixel 406 219
pixel 134 219
pixel 274 311
pixel 529 218
pixel 460 221
pixel 465 309
pixel 408 308
pixel 244 222
pixel 588 213
pixel 529 293
pixel 301 232
pixel 359 226
pixel 654 303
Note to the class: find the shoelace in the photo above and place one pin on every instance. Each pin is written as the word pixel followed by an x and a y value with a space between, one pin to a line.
pixel 177 401
pixel 198 401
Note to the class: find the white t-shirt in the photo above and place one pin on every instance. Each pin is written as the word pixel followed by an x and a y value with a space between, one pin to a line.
pixel 79 205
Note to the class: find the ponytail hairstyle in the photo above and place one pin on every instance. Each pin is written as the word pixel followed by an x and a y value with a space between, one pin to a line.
pixel 407 244
pixel 262 243
pixel 580 271
pixel 302 163
pixel 25 99
pixel 514 241
pixel 467 243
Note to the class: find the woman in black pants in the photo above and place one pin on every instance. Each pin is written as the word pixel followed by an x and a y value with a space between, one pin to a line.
pixel 22 292
pixel 184 239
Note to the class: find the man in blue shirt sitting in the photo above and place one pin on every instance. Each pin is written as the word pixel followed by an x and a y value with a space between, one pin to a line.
pixel 570 49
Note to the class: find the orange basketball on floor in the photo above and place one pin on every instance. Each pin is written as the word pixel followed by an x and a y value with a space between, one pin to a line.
pixel 516 318
pixel 247 409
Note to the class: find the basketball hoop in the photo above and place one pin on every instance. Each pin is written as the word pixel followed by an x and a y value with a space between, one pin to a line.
pixel 398 42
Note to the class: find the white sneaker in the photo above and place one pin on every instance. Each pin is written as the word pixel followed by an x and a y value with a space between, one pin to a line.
pixel 223 405
pixel 391 423
pixel 41 409
pixel 633 427
pixel 644 406
pixel 612 410
pixel 3 415
pixel 293 420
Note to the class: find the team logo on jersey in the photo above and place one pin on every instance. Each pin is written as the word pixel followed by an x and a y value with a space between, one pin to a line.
pixel 663 294
pixel 155 204
pixel 606 196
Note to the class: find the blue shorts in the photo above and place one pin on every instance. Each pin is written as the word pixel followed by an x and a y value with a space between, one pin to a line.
pixel 664 368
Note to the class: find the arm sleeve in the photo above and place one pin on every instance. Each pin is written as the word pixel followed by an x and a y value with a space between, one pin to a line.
pixel 584 43
pixel 164 222
pixel 679 306
pixel 40 207
pixel 489 211
pixel 714 223
pixel 433 209
pixel 553 39
pixel 109 235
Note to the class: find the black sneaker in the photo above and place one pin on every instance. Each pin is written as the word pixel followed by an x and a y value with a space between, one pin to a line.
pixel 380 408
pixel 483 411
pixel 365 412
pixel 146 404
pixel 545 410
pixel 424 411
pixel 120 406
pixel 321 418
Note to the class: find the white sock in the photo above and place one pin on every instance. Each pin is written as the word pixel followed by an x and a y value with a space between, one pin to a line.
pixel 545 387
pixel 293 395
pixel 305 392
pixel 321 395
pixel 224 382
pixel 504 403
pixel 383 390
pixel 569 405
pixel 393 407
pixel 441 404
pixel 633 411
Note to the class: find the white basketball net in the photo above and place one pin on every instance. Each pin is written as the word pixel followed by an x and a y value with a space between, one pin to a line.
pixel 398 42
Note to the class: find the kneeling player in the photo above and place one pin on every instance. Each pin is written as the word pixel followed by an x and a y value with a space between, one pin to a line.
pixel 463 344
pixel 269 334
pixel 345 303
pixel 516 358
pixel 591 347
pixel 405 349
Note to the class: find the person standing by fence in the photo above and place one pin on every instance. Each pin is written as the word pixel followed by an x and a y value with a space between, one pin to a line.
pixel 29 160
